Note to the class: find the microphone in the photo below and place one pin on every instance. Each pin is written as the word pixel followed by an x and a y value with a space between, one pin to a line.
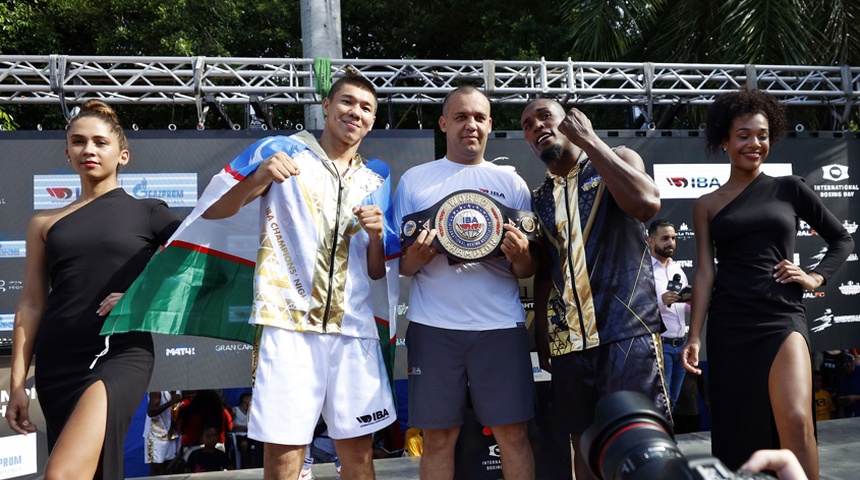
pixel 675 283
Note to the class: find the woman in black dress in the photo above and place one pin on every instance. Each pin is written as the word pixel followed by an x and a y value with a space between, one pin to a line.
pixel 760 369
pixel 80 258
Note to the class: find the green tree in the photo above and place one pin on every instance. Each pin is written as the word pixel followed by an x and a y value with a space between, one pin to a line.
pixel 226 28
pixel 802 32
pixel 776 32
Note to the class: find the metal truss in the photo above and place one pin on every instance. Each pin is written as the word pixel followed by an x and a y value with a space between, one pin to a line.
pixel 202 81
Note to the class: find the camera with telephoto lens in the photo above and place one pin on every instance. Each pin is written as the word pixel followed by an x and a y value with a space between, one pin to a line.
pixel 631 440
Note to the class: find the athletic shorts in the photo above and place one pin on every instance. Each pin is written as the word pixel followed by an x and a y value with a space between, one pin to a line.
pixel 160 451
pixel 579 379
pixel 494 366
pixel 301 375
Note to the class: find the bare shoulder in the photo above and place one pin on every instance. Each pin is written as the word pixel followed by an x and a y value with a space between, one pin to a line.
pixel 630 156
pixel 42 221
pixel 706 204
pixel 626 152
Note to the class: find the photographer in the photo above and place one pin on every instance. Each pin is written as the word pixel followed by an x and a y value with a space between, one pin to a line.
pixel 631 440
pixel 783 462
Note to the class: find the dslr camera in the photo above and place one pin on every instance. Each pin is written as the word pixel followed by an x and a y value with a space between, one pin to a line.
pixel 631 440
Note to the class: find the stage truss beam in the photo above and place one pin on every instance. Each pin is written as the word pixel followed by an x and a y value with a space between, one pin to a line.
pixel 71 80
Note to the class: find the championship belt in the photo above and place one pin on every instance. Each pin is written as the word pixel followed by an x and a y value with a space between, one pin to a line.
pixel 468 225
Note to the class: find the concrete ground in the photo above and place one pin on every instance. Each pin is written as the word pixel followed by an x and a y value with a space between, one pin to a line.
pixel 839 453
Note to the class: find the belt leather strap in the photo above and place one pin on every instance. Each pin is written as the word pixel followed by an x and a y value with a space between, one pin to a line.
pixel 674 341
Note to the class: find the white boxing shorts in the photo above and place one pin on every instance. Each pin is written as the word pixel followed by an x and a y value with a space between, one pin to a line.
pixel 301 375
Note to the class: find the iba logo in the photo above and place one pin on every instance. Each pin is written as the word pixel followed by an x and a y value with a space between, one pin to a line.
pixel 693 182
pixel 835 172
pixel 60 192
pixel 371 418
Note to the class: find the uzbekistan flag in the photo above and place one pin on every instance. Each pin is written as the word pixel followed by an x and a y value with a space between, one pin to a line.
pixel 201 283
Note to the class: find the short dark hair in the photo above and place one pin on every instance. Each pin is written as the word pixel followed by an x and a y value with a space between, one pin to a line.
pixel 726 108
pixel 464 90
pixel 660 222
pixel 355 79
pixel 207 426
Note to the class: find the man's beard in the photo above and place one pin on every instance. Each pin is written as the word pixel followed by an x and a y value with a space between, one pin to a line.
pixel 552 154
pixel 663 252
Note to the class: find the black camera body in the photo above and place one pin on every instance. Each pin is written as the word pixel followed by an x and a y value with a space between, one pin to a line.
pixel 631 440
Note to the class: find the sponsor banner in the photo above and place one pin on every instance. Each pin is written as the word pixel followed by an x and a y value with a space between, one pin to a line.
pixel 829 319
pixel 692 180
pixel 176 189
pixel 17 455
pixel 6 322
pixel 13 249
pixel 8 285
pixel 199 363
pixel 849 288
pixel 831 182
pixel 835 172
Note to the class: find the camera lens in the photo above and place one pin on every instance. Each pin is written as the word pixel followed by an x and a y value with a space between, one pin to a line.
pixel 631 440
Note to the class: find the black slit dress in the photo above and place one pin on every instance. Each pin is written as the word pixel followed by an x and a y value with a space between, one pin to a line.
pixel 98 249
pixel 750 314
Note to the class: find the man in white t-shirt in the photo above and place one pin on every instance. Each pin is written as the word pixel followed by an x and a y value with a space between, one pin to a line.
pixel 467 325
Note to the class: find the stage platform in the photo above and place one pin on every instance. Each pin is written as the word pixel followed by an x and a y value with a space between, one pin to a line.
pixel 839 452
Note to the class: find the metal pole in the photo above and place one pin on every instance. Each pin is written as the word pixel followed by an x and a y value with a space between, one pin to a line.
pixel 321 37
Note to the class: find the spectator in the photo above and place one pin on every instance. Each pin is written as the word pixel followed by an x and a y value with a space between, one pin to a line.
pixel 321 450
pixel 849 386
pixel 824 406
pixel 209 458
pixel 830 370
pixel 161 443
pixel 249 449
pixel 203 408
pixel 687 414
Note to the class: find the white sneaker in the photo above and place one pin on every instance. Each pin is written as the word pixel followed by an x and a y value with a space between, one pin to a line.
pixel 337 472
pixel 306 474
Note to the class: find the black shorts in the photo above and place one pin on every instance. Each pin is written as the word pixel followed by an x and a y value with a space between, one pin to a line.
pixel 494 365
pixel 579 379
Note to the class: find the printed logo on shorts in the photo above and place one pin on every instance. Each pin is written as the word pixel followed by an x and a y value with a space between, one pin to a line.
pixel 372 418
pixel 413 371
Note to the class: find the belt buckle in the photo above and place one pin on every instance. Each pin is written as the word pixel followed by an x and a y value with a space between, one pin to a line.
pixel 469 225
